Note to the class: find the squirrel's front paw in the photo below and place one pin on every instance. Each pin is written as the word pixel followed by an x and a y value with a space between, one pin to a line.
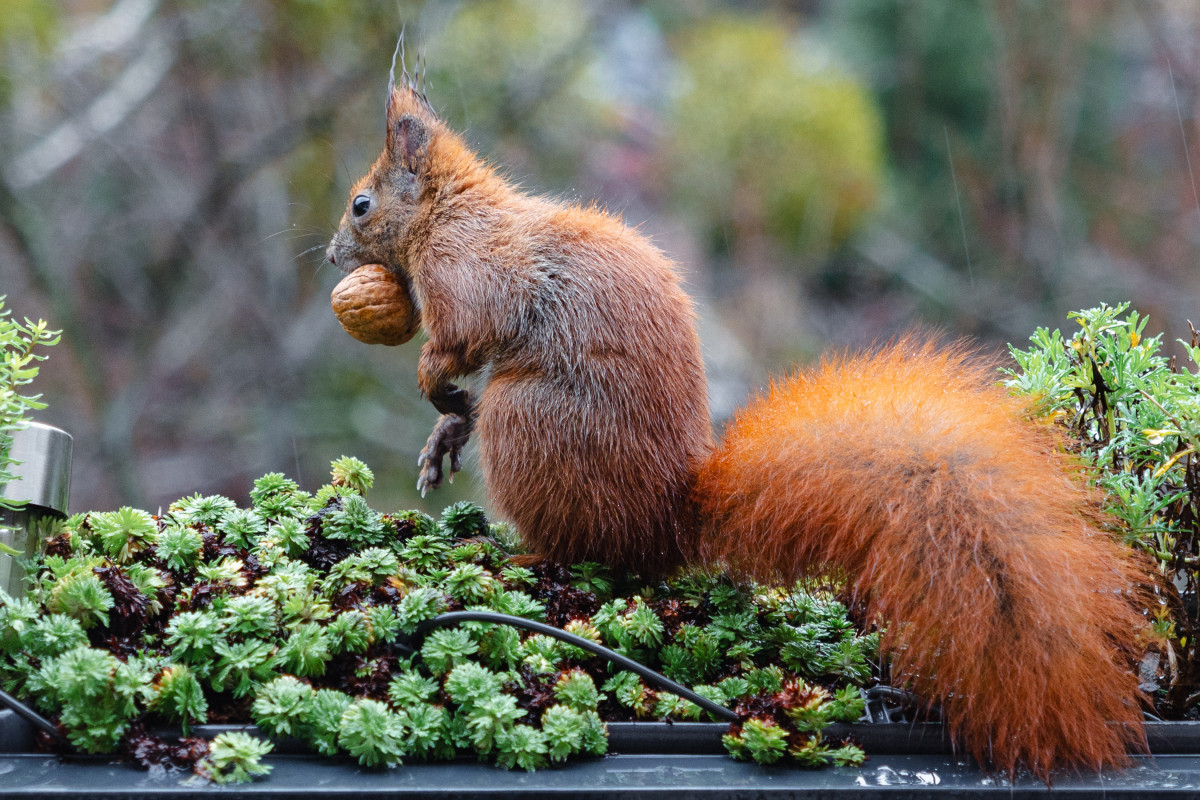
pixel 449 435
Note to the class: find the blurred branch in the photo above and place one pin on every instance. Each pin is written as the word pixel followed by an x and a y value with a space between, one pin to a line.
pixel 231 173
pixel 903 259
pixel 21 245
pixel 65 315
pixel 109 33
pixel 112 108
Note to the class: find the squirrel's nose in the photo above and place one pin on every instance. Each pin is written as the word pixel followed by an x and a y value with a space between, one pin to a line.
pixel 331 254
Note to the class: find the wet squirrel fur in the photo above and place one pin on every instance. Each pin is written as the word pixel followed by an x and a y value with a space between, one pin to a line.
pixel 955 519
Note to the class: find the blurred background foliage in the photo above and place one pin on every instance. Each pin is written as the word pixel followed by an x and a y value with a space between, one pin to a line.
pixel 829 173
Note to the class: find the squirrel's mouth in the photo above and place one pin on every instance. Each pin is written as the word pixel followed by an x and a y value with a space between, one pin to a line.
pixel 331 255
pixel 342 257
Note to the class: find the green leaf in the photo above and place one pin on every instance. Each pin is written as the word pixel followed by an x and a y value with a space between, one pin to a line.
pixel 235 757
pixel 372 733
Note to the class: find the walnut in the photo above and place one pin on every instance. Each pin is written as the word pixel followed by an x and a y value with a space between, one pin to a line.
pixel 374 306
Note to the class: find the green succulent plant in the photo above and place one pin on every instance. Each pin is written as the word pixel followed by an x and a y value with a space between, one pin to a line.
pixel 323 723
pixel 179 696
pixel 235 757
pixel 356 523
pixel 201 510
pixel 760 740
pixel 373 733
pixel 94 693
pixel 180 547
pixel 242 527
pixel 124 532
pixel 354 474
pixel 576 689
pixel 306 650
pixel 326 649
pixel 463 520
pixel 79 593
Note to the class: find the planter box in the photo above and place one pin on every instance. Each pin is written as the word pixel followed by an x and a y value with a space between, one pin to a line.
pixel 678 761
pixel 43 454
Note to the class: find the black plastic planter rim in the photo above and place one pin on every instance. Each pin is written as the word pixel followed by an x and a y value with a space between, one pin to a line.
pixel 648 738
pixel 645 760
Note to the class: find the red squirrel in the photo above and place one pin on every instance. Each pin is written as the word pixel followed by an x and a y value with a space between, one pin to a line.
pixel 954 518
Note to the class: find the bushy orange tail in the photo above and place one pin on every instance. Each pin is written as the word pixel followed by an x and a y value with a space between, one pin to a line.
pixel 961 524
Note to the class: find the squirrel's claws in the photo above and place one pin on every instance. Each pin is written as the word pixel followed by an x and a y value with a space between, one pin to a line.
pixel 449 435
pixel 431 473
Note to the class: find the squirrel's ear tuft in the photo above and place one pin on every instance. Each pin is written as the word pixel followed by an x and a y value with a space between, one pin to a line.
pixel 408 111
pixel 407 140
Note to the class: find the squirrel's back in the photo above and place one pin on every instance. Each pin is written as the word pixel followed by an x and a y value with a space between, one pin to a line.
pixel 602 397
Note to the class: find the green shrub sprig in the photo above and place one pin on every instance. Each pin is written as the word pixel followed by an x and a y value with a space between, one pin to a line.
pixel 20 352
pixel 1133 417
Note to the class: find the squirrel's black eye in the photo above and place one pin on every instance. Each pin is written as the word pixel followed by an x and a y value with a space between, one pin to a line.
pixel 361 205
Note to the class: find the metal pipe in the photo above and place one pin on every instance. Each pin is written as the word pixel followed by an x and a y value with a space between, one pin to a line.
pixel 40 488
pixel 42 467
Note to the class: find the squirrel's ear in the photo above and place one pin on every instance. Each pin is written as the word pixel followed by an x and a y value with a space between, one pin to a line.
pixel 407 140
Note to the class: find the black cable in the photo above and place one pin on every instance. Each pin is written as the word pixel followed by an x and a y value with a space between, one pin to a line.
pixel 892 693
pixel 655 679
pixel 29 715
